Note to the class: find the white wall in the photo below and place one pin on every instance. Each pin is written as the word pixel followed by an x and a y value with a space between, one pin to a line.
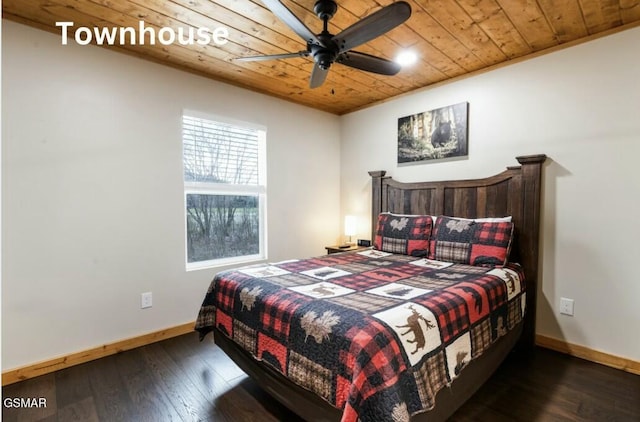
pixel 92 184
pixel 580 106
pixel 92 192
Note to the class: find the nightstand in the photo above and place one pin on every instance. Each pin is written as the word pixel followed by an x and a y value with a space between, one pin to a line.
pixel 338 249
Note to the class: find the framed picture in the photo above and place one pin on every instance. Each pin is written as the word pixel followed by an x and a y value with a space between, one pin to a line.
pixel 434 134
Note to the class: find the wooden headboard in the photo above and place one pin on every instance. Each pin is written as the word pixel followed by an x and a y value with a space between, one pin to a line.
pixel 514 192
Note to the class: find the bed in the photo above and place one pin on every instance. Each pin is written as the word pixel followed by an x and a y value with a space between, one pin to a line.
pixel 407 330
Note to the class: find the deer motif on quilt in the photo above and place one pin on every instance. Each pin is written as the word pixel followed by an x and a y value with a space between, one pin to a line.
pixel 322 290
pixel 460 362
pixel 511 282
pixel 413 325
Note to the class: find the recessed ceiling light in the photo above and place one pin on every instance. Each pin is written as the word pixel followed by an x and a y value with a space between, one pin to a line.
pixel 406 58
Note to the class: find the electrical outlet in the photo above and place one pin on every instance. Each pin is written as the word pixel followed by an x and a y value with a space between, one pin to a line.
pixel 566 306
pixel 146 300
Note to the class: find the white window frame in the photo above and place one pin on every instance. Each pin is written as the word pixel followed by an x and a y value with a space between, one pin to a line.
pixel 259 190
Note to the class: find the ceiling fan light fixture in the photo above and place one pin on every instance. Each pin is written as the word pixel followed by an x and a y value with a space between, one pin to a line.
pixel 406 58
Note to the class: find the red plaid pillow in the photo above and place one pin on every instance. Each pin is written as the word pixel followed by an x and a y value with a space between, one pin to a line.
pixel 403 234
pixel 471 242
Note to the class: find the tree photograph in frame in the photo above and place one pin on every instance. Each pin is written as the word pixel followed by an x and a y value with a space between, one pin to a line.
pixel 434 134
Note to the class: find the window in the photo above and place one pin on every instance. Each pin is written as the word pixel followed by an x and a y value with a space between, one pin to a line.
pixel 225 191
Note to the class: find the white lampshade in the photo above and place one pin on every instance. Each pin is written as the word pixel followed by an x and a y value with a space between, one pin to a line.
pixel 349 225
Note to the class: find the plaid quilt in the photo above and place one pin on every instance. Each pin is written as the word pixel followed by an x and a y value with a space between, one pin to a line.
pixel 375 334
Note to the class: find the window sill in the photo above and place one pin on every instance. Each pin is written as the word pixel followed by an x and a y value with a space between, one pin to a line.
pixel 225 262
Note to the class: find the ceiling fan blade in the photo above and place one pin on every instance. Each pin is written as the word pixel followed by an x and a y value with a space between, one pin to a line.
pixel 292 21
pixel 318 75
pixel 373 25
pixel 303 53
pixel 369 63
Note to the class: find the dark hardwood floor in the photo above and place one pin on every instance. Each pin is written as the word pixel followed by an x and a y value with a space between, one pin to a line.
pixel 182 379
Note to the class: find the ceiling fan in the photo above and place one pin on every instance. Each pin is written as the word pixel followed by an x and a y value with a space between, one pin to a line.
pixel 326 48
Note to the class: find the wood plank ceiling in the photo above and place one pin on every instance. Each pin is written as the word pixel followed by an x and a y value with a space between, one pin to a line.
pixel 451 37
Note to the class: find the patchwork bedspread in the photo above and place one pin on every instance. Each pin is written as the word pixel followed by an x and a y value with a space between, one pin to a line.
pixel 373 333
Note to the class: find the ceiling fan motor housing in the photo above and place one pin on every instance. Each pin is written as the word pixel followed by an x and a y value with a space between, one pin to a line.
pixel 326 53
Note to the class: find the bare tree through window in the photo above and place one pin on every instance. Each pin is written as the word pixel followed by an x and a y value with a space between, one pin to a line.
pixel 223 188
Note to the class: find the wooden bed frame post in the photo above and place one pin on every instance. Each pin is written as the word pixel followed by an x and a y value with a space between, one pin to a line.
pixel 376 198
pixel 530 237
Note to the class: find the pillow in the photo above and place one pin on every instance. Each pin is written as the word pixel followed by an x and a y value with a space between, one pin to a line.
pixel 403 234
pixel 483 219
pixel 465 241
pixel 506 219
